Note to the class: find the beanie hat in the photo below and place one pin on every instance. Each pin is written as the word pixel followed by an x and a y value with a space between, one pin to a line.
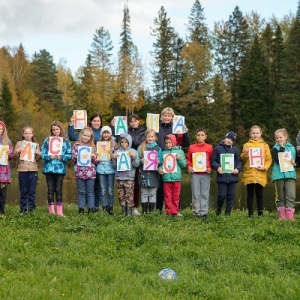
pixel 106 128
pixel 231 135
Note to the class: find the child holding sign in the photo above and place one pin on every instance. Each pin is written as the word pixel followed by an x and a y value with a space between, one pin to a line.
pixel 56 151
pixel 125 160
pixel 226 160
pixel 284 174
pixel 6 154
pixel 257 159
pixel 171 171
pixel 84 158
pixel 28 153
pixel 148 177
pixel 198 162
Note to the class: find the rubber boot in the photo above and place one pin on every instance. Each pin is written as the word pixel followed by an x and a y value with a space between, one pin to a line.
pixel 51 208
pixel 145 208
pixel 281 213
pixel 289 213
pixel 151 207
pixel 124 210
pixel 59 209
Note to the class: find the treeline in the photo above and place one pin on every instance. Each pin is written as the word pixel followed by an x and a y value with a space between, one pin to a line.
pixel 244 71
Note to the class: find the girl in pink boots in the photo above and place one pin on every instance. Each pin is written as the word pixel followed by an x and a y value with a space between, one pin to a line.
pixel 284 174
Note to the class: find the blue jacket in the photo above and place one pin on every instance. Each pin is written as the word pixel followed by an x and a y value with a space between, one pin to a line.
pixel 56 166
pixel 276 173
pixel 216 162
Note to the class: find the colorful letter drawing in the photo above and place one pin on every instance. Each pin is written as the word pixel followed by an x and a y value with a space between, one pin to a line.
pixel 123 161
pixel 120 125
pixel 170 163
pixel 27 152
pixel 227 162
pixel 4 149
pixel 150 161
pixel 256 157
pixel 55 145
pixel 178 124
pixel 80 119
pixel 84 158
pixel 152 122
pixel 199 161
pixel 285 161
pixel 103 150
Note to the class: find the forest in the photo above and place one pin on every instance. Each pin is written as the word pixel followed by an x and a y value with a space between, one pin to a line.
pixel 244 71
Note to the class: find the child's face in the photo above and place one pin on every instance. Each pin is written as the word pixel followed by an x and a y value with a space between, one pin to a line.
pixel 1 130
pixel 150 138
pixel 28 134
pixel 96 123
pixel 168 144
pixel 134 123
pixel 255 134
pixel 106 135
pixel 166 118
pixel 124 144
pixel 55 130
pixel 200 137
pixel 228 142
pixel 86 136
pixel 280 138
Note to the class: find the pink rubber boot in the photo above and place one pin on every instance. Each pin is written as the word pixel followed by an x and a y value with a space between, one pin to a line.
pixel 51 208
pixel 289 213
pixel 59 209
pixel 281 213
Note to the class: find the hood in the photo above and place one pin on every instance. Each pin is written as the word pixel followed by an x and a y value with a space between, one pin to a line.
pixel 127 137
pixel 172 137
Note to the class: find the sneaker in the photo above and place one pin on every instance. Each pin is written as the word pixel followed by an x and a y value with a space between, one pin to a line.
pixel 135 212
pixel 179 215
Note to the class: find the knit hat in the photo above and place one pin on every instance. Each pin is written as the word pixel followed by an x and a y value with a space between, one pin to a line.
pixel 3 126
pixel 106 128
pixel 231 135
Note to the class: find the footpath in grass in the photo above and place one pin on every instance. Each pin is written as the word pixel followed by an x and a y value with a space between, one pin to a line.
pixel 98 256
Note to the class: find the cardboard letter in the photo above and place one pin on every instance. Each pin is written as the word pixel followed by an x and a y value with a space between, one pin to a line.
pixel 152 122
pixel 55 145
pixel 4 149
pixel 120 125
pixel 199 161
pixel 285 161
pixel 123 161
pixel 178 124
pixel 103 150
pixel 150 160
pixel 256 157
pixel 84 158
pixel 227 162
pixel 170 163
pixel 80 119
pixel 27 152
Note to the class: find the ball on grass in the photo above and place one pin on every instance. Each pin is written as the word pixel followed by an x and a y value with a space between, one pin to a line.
pixel 167 274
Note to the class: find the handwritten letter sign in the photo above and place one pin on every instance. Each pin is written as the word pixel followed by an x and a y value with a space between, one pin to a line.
pixel 103 150
pixel 199 161
pixel 120 125
pixel 170 163
pixel 150 160
pixel 256 157
pixel 4 155
pixel 153 122
pixel 178 124
pixel 80 120
pixel 27 152
pixel 285 161
pixel 227 162
pixel 55 145
pixel 84 158
pixel 123 161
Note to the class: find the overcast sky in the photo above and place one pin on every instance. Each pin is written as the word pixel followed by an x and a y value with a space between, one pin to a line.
pixel 65 28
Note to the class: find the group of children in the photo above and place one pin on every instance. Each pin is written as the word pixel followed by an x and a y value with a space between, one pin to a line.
pixel 153 171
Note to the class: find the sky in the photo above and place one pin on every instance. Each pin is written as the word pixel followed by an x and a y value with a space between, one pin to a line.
pixel 65 28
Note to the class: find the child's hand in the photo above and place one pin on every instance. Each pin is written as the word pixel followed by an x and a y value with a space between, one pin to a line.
pixel 37 151
pixel 115 155
pixel 161 171
pixel 190 170
pixel 132 154
pixel 178 157
pixel 293 162
pixel 185 128
pixel 261 168
pixel 235 171
pixel 19 150
pixel 219 170
pixel 208 170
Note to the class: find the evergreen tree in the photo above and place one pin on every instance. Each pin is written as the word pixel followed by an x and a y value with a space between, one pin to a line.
pixel 126 41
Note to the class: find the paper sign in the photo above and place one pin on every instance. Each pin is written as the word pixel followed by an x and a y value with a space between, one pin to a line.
pixel 199 161
pixel 256 157
pixel 80 119
pixel 227 162
pixel 170 163
pixel 152 122
pixel 28 149
pixel 285 161
pixel 84 158
pixel 55 145
pixel 150 160
pixel 123 161
pixel 178 124
pixel 103 150
pixel 4 149
pixel 120 125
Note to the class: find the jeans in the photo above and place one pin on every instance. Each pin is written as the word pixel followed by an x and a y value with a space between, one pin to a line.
pixel 27 184
pixel 86 193
pixel 107 189
pixel 54 185
pixel 97 191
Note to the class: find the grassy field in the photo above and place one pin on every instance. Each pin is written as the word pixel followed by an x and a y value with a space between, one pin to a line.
pixel 102 257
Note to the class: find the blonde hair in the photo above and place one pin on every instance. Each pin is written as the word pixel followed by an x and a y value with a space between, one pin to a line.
pixel 5 139
pixel 167 110
pixel 283 131
pixel 91 141
pixel 143 146
pixel 33 139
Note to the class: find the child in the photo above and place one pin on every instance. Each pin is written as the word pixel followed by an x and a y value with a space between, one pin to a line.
pixel 255 177
pixel 200 180
pixel 55 167
pixel 106 172
pixel 28 170
pixel 172 180
pixel 226 180
pixel 148 180
pixel 125 179
pixel 85 175
pixel 183 140
pixel 4 167
pixel 137 133
pixel 284 176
